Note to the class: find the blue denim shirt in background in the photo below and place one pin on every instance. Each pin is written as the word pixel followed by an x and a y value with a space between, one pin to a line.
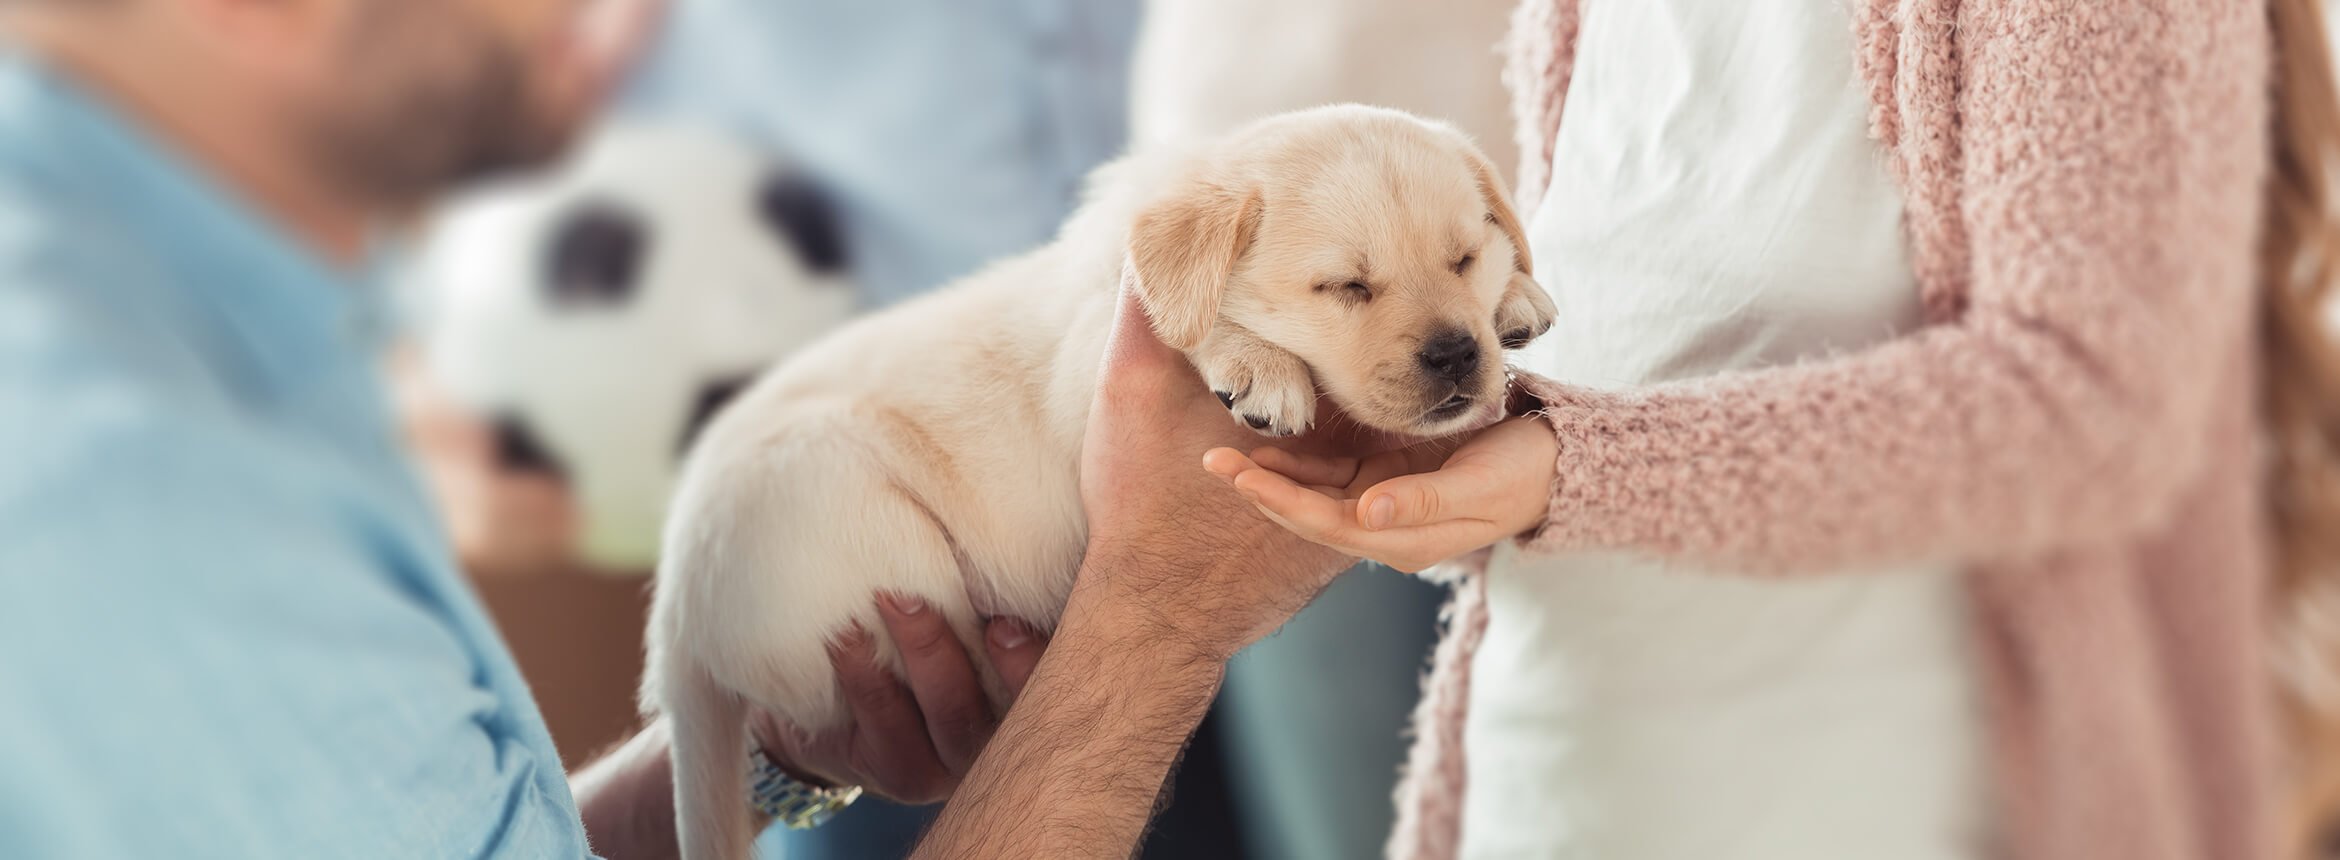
pixel 229 625
pixel 949 132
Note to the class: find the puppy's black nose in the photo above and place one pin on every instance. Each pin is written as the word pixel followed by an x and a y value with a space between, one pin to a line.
pixel 1450 355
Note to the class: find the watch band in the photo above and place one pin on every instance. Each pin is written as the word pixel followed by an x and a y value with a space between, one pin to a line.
pixel 794 803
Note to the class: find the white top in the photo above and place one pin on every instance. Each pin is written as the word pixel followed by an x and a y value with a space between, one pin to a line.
pixel 1717 204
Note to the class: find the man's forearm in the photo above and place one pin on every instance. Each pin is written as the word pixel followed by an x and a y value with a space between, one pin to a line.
pixel 627 798
pixel 1075 769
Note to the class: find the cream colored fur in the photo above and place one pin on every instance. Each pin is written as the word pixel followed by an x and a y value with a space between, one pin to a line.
pixel 933 449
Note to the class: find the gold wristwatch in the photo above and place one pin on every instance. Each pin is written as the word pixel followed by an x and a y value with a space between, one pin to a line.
pixel 797 804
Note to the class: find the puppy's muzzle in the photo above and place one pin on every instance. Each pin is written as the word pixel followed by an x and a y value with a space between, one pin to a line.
pixel 1450 356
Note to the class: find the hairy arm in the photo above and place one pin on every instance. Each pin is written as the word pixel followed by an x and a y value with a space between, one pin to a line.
pixel 1077 766
pixel 626 798
pixel 1179 575
pixel 1072 772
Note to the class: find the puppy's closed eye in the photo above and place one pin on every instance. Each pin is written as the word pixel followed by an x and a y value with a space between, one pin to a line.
pixel 1348 291
pixel 1463 266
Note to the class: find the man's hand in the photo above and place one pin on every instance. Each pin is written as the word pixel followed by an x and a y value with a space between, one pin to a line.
pixel 1180 574
pixel 1165 538
pixel 910 740
pixel 1410 508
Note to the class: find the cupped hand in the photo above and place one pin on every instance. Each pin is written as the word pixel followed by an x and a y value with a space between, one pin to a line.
pixel 1410 508
pixel 910 739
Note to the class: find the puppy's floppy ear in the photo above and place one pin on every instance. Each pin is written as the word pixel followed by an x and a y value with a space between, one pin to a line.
pixel 1184 249
pixel 1499 210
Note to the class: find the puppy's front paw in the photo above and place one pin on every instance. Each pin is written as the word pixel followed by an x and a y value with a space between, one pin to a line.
pixel 1524 314
pixel 1266 388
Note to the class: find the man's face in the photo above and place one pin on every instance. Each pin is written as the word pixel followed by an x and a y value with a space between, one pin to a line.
pixel 420 95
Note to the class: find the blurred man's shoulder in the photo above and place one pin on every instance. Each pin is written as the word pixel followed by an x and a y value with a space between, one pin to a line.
pixel 95 368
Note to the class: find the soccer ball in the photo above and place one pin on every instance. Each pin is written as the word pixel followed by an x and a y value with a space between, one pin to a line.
pixel 599 316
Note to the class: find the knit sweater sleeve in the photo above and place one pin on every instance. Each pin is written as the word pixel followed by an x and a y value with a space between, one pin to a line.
pixel 2107 161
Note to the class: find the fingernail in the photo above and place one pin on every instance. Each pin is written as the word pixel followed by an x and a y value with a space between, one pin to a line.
pixel 1009 635
pixel 1380 513
pixel 848 640
pixel 906 604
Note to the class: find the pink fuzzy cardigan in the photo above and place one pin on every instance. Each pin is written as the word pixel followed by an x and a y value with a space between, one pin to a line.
pixel 2082 181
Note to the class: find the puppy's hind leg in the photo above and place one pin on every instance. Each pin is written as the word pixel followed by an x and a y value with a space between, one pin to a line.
pixel 783 532
pixel 1265 387
pixel 709 748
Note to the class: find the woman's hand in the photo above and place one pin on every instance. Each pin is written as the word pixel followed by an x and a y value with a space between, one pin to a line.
pixel 1409 508
pixel 910 739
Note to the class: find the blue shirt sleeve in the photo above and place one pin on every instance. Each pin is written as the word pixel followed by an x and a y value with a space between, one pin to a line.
pixel 202 655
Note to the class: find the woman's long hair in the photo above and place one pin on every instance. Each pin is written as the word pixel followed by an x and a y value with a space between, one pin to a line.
pixel 2299 258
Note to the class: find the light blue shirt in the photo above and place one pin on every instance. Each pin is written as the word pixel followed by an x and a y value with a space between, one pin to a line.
pixel 229 625
pixel 949 133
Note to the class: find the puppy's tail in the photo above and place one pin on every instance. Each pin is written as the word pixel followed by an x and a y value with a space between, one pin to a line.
pixel 710 767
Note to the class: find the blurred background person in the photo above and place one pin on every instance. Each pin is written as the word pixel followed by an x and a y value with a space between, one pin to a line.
pixel 1204 67
pixel 229 623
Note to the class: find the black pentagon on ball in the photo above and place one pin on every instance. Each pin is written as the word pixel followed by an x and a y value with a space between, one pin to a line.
pixel 519 449
pixel 711 398
pixel 803 219
pixel 594 255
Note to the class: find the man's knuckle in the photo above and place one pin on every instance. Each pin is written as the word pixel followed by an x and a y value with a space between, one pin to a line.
pixel 870 691
pixel 959 722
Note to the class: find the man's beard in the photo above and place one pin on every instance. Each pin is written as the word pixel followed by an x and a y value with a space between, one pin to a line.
pixel 434 98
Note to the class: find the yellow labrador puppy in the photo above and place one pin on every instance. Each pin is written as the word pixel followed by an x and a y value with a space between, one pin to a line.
pixel 933 449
